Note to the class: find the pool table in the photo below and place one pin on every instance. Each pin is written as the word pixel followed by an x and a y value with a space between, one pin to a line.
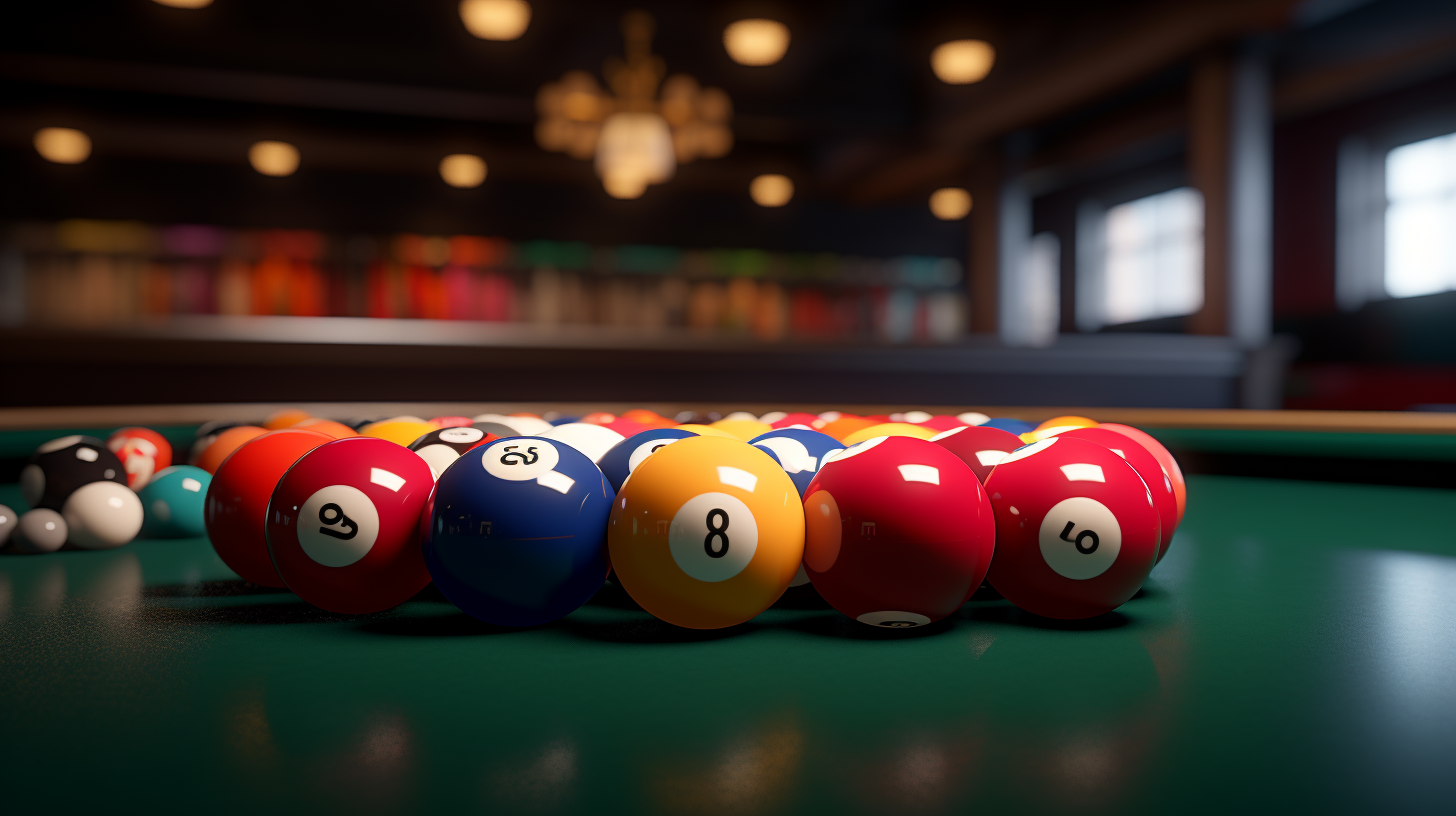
pixel 1296 650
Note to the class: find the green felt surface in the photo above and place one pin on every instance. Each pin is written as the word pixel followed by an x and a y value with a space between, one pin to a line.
pixel 1295 651
pixel 1438 447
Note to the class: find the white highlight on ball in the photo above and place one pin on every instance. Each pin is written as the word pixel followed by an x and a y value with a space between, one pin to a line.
pixel 920 473
pixel 556 480
pixel 1028 450
pixel 386 479
pixel 990 458
pixel 737 477
pixel 1082 472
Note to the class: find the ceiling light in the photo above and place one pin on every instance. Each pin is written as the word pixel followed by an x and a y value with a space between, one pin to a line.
pixel 185 4
pixel 950 203
pixel 498 20
pixel 961 62
pixel 756 42
pixel 462 170
pixel 273 158
pixel 62 145
pixel 771 190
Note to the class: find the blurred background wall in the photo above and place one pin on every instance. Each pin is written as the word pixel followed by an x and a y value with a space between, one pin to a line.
pixel 1211 203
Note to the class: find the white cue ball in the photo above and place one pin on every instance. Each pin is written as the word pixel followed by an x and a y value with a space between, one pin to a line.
pixel 103 515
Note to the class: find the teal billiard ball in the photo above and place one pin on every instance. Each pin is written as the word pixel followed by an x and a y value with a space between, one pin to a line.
pixel 173 502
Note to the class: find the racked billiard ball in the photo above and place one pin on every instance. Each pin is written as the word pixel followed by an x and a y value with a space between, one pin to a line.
pixel 62 466
pixel 237 500
pixel 707 533
pixel 516 531
pixel 899 532
pixel 624 457
pixel 8 520
pixel 799 451
pixel 102 515
pixel 441 448
pixel 222 446
pixel 1170 465
pixel 173 502
pixel 40 531
pixel 592 440
pixel 344 524
pixel 979 446
pixel 1076 529
pixel 1147 466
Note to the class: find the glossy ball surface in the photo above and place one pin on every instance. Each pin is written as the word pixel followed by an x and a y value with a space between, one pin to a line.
pixel 624 457
pixel 102 515
pixel 223 445
pixel 592 440
pixel 285 418
pixel 441 448
pixel 800 452
pixel 401 432
pixel 8 520
pixel 328 427
pixel 1147 466
pixel 62 466
pixel 1009 425
pixel 1061 424
pixel 40 531
pixel 344 523
pixel 142 452
pixel 173 502
pixel 1170 465
pixel 743 428
pixel 707 533
pixel 237 500
pixel 888 429
pixel 1076 529
pixel 517 531
pixel 900 532
pixel 980 447
pixel 795 418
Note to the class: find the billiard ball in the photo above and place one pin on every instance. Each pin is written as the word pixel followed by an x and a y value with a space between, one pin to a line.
pixel 62 466
pixel 337 430
pixel 8 521
pixel 626 427
pixel 1057 425
pixel 237 500
pixel 942 422
pixel 41 530
pixel 979 446
pixel 517 531
pixel 797 418
pixel 973 418
pixel 142 452
pixel 344 524
pixel 495 429
pixel 1170 465
pixel 399 431
pixel 887 429
pixel 441 448
pixel 519 425
pixel 706 430
pixel 707 533
pixel 450 421
pixel 221 447
pixel 799 451
pixel 173 502
pixel 592 440
pixel 1009 425
pixel 846 425
pixel 1076 528
pixel 899 532
pixel 285 418
pixel 102 515
pixel 744 429
pixel 598 418
pixel 1148 467
pixel 624 457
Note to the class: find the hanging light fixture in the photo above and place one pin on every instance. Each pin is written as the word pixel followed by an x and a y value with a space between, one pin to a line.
pixel 640 131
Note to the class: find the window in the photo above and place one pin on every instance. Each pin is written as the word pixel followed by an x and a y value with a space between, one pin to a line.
pixel 1141 260
pixel 1420 217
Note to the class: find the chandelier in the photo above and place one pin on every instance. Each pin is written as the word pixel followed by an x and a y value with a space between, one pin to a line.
pixel 645 127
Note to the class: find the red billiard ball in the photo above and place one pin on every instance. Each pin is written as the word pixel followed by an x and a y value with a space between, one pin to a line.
pixel 898 532
pixel 1153 446
pixel 978 446
pixel 1076 528
pixel 1159 483
pixel 344 525
pixel 237 500
pixel 143 452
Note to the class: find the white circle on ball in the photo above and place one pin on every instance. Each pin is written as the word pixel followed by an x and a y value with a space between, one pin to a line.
pixel 893 620
pixel 337 525
pixel 646 449
pixel 1080 538
pixel 712 537
pixel 520 459
pixel 461 436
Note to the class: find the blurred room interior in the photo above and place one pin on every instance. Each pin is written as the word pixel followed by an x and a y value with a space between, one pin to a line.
pixel 1201 204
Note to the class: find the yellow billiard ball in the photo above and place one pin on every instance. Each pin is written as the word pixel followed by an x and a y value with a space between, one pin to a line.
pixel 888 429
pixel 707 532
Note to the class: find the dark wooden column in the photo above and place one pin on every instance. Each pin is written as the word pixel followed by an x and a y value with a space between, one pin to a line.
pixel 1209 118
pixel 984 258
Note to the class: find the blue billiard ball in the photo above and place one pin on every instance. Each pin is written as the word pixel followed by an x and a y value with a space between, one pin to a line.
pixel 1016 426
pixel 799 451
pixel 172 503
pixel 517 531
pixel 624 457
